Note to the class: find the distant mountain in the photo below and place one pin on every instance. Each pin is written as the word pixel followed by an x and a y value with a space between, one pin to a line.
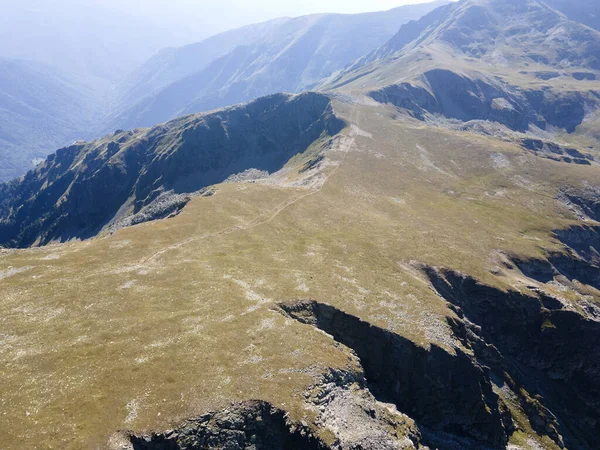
pixel 509 32
pixel 58 63
pixel 285 55
pixel 40 109
pixel 85 41
pixel 486 60
pixel 83 37
pixel 175 63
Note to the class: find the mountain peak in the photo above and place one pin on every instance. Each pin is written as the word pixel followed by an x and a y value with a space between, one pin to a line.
pixel 499 30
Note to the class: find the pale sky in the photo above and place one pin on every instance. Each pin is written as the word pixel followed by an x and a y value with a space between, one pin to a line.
pixel 218 15
pixel 55 31
pixel 192 20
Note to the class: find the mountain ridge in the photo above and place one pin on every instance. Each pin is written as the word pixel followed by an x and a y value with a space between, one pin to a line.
pixel 159 90
pixel 284 55
pixel 406 259
pixel 87 187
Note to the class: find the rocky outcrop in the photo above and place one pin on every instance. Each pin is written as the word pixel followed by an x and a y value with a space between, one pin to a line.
pixel 576 269
pixel 584 240
pixel 445 393
pixel 547 75
pixel 535 344
pixel 349 411
pixel 253 425
pixel 459 97
pixel 81 189
pixel 467 99
pixel 585 203
pixel 556 152
pixel 462 98
pixel 346 412
pixel 414 99
pixel 588 76
pixel 577 264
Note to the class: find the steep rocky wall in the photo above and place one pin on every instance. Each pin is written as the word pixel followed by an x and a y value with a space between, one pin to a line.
pixel 550 351
pixel 444 392
pixel 584 240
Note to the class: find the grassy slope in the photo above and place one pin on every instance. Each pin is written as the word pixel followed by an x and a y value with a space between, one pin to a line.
pixel 168 319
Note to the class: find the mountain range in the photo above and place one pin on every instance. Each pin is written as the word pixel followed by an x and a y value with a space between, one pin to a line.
pixel 405 256
pixel 283 55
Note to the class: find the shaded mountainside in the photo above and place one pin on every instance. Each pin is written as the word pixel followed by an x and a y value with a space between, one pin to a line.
pixel 284 55
pixel 449 94
pixel 80 188
pixel 41 109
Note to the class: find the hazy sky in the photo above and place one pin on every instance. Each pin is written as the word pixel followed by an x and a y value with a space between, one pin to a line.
pixel 107 37
pixel 186 20
pixel 210 16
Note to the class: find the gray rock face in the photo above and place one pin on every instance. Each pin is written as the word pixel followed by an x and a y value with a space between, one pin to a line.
pixel 446 394
pixel 345 410
pixel 253 425
pixel 588 76
pixel 586 203
pixel 95 180
pixel 556 152
pixel 545 349
pixel 459 97
pixel 584 240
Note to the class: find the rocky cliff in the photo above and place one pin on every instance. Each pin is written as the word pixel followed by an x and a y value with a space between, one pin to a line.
pixel 83 188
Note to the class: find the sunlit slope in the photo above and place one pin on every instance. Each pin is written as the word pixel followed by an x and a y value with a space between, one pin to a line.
pixel 169 319
pixel 526 44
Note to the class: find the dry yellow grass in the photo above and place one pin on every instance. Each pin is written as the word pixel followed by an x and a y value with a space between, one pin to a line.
pixel 168 319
